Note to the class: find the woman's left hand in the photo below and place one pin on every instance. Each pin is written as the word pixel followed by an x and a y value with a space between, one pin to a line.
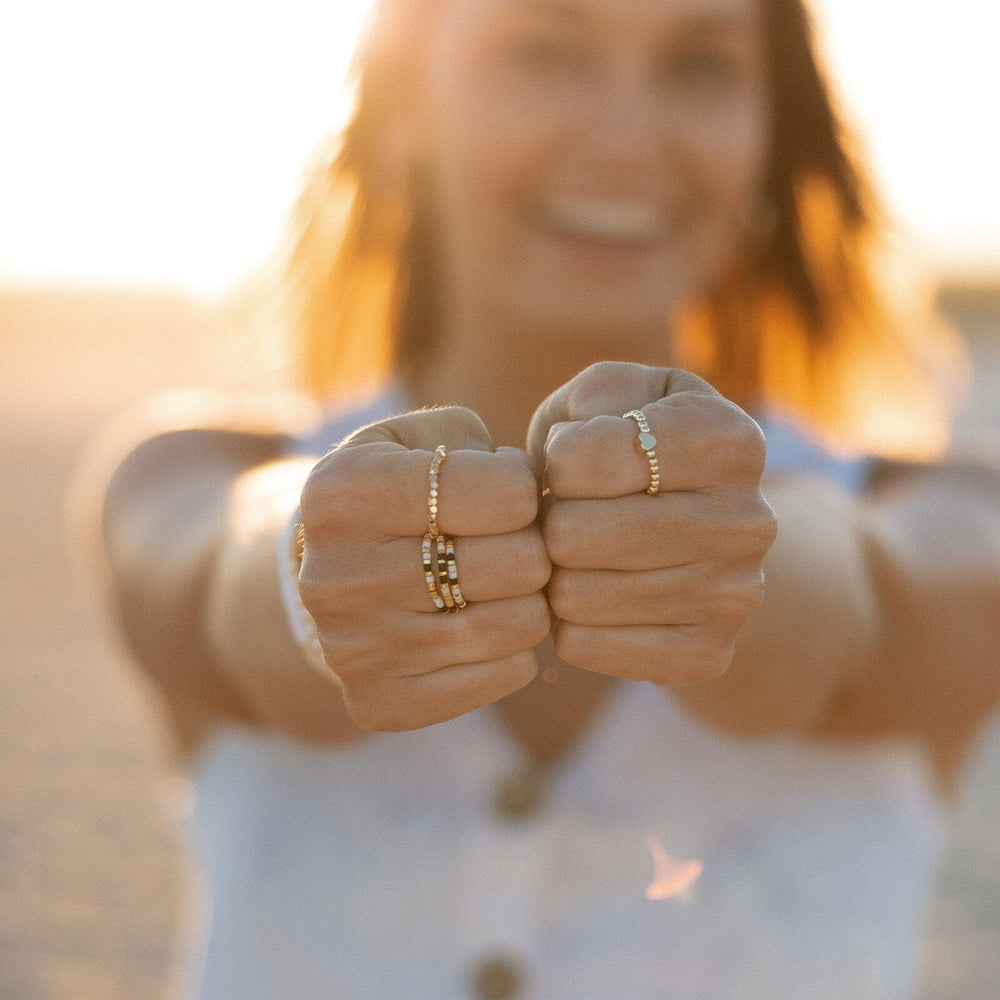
pixel 650 588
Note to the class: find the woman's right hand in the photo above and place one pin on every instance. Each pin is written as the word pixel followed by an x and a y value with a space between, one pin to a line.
pixel 403 664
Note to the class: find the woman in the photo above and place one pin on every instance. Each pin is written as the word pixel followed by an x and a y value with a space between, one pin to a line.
pixel 539 211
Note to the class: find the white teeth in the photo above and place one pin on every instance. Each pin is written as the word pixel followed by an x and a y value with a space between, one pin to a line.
pixel 605 220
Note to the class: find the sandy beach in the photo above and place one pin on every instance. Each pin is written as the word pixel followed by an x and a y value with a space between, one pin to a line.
pixel 92 871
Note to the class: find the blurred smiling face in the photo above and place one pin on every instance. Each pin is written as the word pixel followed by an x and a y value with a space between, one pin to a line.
pixel 590 161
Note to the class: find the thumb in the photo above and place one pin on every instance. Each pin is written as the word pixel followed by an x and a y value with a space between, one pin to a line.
pixel 453 426
pixel 608 388
pixel 385 466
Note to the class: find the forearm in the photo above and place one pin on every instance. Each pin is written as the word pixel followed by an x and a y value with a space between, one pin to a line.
pixel 819 626
pixel 935 557
pixel 155 519
pixel 881 616
pixel 145 520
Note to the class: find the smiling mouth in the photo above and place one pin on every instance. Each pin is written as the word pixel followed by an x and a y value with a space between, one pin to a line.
pixel 628 225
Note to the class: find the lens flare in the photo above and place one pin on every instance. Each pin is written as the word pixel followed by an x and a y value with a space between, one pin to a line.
pixel 672 877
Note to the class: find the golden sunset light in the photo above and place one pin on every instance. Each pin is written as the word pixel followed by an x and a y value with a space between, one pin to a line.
pixel 162 146
pixel 156 144
pixel 516 515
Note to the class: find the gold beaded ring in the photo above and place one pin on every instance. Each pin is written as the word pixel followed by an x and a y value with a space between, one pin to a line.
pixel 456 591
pixel 438 551
pixel 430 574
pixel 444 588
pixel 432 497
pixel 647 444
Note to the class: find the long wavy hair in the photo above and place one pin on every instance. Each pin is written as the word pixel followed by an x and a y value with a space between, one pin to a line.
pixel 809 322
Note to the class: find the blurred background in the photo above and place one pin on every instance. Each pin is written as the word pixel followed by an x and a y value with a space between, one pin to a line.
pixel 150 155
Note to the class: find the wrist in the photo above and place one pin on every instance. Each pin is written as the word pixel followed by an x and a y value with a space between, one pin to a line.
pixel 245 620
pixel 290 552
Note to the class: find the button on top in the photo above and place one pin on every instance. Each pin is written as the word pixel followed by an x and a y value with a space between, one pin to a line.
pixel 497 977
pixel 521 795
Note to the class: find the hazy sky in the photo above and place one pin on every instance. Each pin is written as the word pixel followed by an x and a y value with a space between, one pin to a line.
pixel 161 143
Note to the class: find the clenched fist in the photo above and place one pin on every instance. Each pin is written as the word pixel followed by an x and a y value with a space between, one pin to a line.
pixel 650 588
pixel 404 665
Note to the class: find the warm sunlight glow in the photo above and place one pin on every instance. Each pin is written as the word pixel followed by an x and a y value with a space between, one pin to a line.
pixel 158 143
pixel 920 80
pixel 162 144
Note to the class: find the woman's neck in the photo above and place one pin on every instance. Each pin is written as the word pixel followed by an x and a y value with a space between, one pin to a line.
pixel 503 376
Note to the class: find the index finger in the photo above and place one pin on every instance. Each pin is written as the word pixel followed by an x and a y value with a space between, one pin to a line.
pixel 381 489
pixel 698 444
pixel 609 388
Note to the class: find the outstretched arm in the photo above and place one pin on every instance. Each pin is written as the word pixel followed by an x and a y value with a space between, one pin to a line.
pixel 178 512
pixel 881 616
pixel 187 528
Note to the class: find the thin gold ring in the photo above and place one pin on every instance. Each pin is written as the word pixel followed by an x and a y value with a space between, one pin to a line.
pixel 430 574
pixel 432 497
pixel 647 444
pixel 456 591
pixel 444 588
pixel 437 551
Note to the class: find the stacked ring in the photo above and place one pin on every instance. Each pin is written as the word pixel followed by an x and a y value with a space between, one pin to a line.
pixel 432 498
pixel 647 443
pixel 438 551
pixel 456 591
pixel 430 574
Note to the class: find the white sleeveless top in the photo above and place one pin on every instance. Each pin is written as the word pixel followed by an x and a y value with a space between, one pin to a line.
pixel 398 869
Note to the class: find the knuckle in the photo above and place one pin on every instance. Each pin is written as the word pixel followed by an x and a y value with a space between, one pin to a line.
pixel 600 381
pixel 568 595
pixel 737 601
pixel 611 387
pixel 530 563
pixel 707 657
pixel 520 670
pixel 349 660
pixel 720 434
pixel 561 594
pixel 454 426
pixel 536 621
pixel 718 659
pixel 314 492
pixel 767 523
pixel 596 376
pixel 559 450
pixel 331 595
pixel 332 492
pixel 561 539
pixel 315 592
pixel 573 455
pixel 384 706
pixel 753 591
pixel 752 527
pixel 758 528
pixel 742 442
pixel 375 713
pixel 571 645
pixel 716 652
pixel 466 425
pixel 521 500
